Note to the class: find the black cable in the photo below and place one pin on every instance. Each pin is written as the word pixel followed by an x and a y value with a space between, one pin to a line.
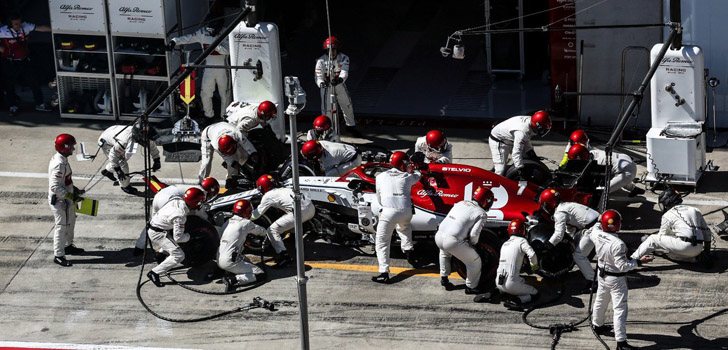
pixel 245 288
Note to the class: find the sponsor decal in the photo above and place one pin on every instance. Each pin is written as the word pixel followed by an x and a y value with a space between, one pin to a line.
pixel 248 36
pixel 125 10
pixel 433 193
pixel 77 7
pixel 456 170
pixel 684 60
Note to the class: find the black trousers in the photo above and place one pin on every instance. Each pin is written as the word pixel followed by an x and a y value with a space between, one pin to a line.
pixel 15 73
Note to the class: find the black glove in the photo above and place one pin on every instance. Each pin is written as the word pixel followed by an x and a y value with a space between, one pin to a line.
pixel 78 191
pixel 170 45
pixel 231 183
pixel 157 164
pixel 120 174
pixel 337 81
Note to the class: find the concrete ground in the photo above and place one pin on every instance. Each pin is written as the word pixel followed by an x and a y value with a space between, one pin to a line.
pixel 672 306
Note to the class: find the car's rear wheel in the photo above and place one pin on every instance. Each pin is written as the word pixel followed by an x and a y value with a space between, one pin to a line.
pixel 533 171
pixel 203 243
pixel 488 248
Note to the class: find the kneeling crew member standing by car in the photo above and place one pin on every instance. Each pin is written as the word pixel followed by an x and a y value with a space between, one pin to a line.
pixel 571 218
pixel 230 255
pixel 458 233
pixel 117 142
pixel 435 147
pixel 172 217
pixel 321 130
pixel 335 158
pixel 508 279
pixel 231 144
pixel 512 138
pixel 61 197
pixel 683 234
pixel 394 195
pixel 280 198
pixel 611 255
pixel 624 169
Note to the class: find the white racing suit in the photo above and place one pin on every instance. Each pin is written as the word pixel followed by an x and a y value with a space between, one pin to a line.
pixel 508 278
pixel 394 194
pixel 340 70
pixel 458 232
pixel 213 76
pixel 611 255
pixel 230 255
pixel 163 197
pixel 683 234
pixel 244 116
pixel 432 155
pixel 171 217
pixel 119 148
pixel 328 135
pixel 511 137
pixel 209 144
pixel 624 169
pixel 338 158
pixel 573 218
pixel 60 187
pixel 282 198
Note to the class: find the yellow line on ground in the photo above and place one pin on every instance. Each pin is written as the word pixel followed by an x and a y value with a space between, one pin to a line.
pixel 375 269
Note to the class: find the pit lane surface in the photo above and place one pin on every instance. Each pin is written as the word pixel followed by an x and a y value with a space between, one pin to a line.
pixel 94 301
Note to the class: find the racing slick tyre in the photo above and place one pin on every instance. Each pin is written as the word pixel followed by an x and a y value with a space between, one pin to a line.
pixel 556 262
pixel 488 248
pixel 533 171
pixel 203 243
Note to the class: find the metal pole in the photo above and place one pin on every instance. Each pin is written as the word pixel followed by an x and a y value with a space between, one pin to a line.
pixel 301 278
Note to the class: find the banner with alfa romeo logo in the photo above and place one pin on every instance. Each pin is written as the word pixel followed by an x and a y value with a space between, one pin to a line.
pixel 136 16
pixel 78 15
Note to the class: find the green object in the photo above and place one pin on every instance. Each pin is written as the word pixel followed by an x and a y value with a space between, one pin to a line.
pixel 88 206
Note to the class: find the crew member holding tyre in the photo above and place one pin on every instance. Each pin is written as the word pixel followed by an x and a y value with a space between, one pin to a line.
pixel 458 233
pixel 335 158
pixel 577 137
pixel 611 255
pixel 569 218
pixel 512 138
pixel 435 147
pixel 394 188
pixel 172 217
pixel 280 198
pixel 62 195
pixel 624 170
pixel 117 142
pixel 508 279
pixel 230 144
pixel 230 255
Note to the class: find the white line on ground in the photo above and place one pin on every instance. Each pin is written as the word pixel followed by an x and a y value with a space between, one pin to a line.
pixel 78 176
pixel 31 345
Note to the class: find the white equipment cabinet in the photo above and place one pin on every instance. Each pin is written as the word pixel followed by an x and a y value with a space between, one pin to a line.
pixel 676 141
pixel 81 51
pixel 140 30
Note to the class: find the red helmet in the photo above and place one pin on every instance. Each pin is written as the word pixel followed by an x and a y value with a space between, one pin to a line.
pixel 312 149
pixel 610 221
pixel 64 144
pixel 227 145
pixel 541 123
pixel 517 227
pixel 579 136
pixel 399 160
pixel 194 197
pixel 265 183
pixel 484 197
pixel 331 42
pixel 267 110
pixel 322 123
pixel 435 139
pixel 211 187
pixel 243 208
pixel 578 152
pixel 549 199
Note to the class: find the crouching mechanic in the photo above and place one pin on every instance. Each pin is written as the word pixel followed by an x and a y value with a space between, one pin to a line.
pixel 118 142
pixel 458 233
pixel 335 158
pixel 172 217
pixel 512 138
pixel 683 234
pixel 280 198
pixel 230 255
pixel 569 218
pixel 577 136
pixel 611 255
pixel 321 130
pixel 62 195
pixel 165 195
pixel 248 116
pixel 508 279
pixel 394 195
pixel 435 147
pixel 624 169
pixel 231 144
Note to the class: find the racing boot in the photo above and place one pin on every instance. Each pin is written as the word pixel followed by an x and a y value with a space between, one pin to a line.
pixel 282 259
pixel 622 345
pixel 108 175
pixel 230 282
pixel 381 278
pixel 154 277
pixel 445 282
pixel 61 260
pixel 130 190
pixel 471 291
pixel 73 250
pixel 636 191
pixel 603 329
pixel 513 304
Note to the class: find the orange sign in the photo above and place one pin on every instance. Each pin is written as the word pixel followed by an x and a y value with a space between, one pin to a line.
pixel 187 88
